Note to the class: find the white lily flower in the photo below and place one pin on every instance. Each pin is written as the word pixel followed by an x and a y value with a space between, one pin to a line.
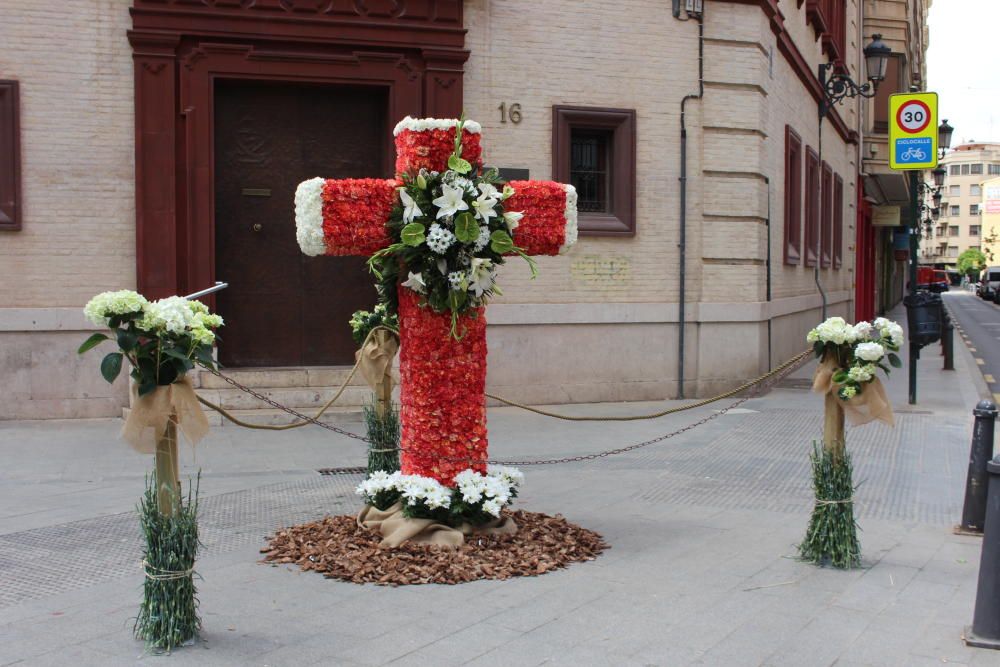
pixel 484 207
pixel 416 283
pixel 481 276
pixel 451 201
pixel 513 219
pixel 410 208
pixel 489 190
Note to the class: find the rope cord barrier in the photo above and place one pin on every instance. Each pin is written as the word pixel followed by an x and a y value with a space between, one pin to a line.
pixel 759 382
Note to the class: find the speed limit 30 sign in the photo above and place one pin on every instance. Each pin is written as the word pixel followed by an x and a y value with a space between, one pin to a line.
pixel 913 131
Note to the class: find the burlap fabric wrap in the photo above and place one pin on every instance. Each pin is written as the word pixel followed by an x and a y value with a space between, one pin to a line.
pixel 867 406
pixel 375 360
pixel 147 420
pixel 396 528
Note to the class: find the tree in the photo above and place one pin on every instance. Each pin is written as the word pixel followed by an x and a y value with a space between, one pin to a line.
pixel 971 262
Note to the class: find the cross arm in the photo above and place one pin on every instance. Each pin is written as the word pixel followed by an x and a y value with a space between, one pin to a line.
pixel 344 217
pixel 548 225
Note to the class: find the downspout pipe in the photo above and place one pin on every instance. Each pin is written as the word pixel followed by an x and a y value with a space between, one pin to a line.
pixel 682 240
pixel 767 184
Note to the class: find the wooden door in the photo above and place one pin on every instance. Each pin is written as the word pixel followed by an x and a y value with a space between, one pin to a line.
pixel 283 308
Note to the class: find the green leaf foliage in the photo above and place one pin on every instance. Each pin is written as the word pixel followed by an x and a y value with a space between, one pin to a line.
pixel 895 361
pixel 92 342
pixel 111 366
pixel 466 227
pixel 413 234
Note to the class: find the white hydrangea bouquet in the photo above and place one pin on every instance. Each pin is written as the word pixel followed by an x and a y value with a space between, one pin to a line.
pixel 475 499
pixel 859 351
pixel 161 340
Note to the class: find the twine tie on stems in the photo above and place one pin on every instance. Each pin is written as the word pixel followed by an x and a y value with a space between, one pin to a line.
pixel 164 575
pixel 845 501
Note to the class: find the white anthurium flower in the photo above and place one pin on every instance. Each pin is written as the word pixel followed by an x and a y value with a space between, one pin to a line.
pixel 513 219
pixel 416 283
pixel 451 201
pixel 410 208
pixel 481 276
pixel 484 207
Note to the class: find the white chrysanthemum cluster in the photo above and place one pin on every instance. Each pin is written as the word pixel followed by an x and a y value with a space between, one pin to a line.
pixel 889 330
pixel 309 217
pixel 457 279
pixel 490 492
pixel 834 330
pixel 424 124
pixel 869 352
pixel 439 239
pixel 102 307
pixel 571 221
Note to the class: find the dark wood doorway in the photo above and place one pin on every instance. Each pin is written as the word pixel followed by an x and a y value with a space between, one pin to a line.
pixel 283 308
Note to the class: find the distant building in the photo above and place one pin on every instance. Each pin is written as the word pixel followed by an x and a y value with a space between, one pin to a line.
pixel 961 224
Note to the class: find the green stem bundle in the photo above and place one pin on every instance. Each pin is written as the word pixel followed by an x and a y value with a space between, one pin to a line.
pixel 168 616
pixel 832 536
pixel 383 431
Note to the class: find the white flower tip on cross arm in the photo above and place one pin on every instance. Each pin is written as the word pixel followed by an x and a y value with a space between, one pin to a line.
pixel 410 208
pixel 451 201
pixel 416 283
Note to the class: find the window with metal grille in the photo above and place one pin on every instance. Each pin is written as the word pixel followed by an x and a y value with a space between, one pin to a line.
pixel 977 168
pixel 588 169
pixel 793 195
pixel 994 169
pixel 10 157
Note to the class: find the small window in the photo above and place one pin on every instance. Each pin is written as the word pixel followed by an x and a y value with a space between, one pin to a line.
pixel 975 190
pixel 955 210
pixel 974 247
pixel 977 168
pixel 954 170
pixel 955 191
pixel 812 207
pixel 965 170
pixel 994 170
pixel 974 230
pixel 793 196
pixel 973 209
pixel 826 228
pixel 953 251
pixel 10 157
pixel 594 150
pixel 953 230
pixel 838 222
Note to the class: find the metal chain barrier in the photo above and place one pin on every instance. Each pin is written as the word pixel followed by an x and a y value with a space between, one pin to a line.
pixel 759 384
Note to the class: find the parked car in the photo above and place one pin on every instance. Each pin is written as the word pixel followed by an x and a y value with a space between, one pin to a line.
pixel 989 282
pixel 932 280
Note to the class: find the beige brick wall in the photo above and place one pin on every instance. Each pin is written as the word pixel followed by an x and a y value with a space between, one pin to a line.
pixel 74 65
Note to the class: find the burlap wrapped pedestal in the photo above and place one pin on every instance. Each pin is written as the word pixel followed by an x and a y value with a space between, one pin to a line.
pixel 867 406
pixel 396 528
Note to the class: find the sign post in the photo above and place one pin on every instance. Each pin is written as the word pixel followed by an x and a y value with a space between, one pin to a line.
pixel 913 146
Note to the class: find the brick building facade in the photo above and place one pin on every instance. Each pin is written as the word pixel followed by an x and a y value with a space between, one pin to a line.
pixel 117 188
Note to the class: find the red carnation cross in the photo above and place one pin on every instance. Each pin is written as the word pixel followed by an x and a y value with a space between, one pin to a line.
pixel 442 392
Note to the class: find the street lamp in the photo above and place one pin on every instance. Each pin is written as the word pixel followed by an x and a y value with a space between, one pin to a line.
pixel 944 137
pixel 840 85
pixel 940 172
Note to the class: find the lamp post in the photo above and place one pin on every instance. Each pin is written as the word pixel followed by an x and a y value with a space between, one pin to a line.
pixel 837 87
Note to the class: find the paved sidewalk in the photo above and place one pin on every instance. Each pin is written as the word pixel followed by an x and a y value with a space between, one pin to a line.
pixel 703 530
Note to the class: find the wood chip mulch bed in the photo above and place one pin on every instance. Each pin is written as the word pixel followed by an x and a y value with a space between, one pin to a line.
pixel 339 549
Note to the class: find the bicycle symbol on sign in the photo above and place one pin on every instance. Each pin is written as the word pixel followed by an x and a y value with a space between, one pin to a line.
pixel 913 154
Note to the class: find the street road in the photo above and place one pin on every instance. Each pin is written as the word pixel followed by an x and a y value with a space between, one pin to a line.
pixel 978 322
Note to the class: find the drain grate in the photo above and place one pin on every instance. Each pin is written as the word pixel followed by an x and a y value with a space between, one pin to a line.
pixel 327 472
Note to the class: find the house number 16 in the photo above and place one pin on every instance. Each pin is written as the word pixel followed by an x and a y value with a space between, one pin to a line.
pixel 512 113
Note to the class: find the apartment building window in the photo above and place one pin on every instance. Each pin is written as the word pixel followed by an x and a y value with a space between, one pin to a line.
pixel 10 157
pixel 973 209
pixel 594 150
pixel 812 207
pixel 955 191
pixel 942 230
pixel 826 229
pixel 955 210
pixel 953 230
pixel 838 221
pixel 953 251
pixel 829 19
pixel 954 170
pixel 976 168
pixel 994 170
pixel 793 195
pixel 975 190
pixel 974 230
pixel 965 170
